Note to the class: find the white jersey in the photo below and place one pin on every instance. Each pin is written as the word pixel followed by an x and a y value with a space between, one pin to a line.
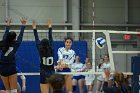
pixel 106 65
pixel 77 67
pixel 67 57
pixel 89 77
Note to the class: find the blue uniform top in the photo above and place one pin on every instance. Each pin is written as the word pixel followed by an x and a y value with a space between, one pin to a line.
pixel 8 57
pixel 46 59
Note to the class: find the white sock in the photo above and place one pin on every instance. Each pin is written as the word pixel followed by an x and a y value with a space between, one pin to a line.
pixel 14 91
pixel 7 91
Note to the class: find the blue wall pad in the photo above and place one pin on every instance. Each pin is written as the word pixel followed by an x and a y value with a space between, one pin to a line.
pixel 135 63
pixel 28 57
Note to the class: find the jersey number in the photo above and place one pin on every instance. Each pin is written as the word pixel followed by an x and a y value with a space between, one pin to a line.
pixel 9 51
pixel 48 61
pixel 65 56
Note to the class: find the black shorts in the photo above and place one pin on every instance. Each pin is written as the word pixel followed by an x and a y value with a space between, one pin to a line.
pixel 7 69
pixel 44 76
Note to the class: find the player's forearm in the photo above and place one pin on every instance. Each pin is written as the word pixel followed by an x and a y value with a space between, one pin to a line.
pixel 23 82
pixel 67 65
pixel 23 78
pixel 60 62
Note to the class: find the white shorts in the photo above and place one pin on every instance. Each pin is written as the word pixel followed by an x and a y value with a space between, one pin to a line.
pixel 89 79
pixel 89 82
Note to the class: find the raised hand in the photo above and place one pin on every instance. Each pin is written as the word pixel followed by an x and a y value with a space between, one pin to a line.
pixel 23 20
pixel 8 20
pixel 49 23
pixel 34 24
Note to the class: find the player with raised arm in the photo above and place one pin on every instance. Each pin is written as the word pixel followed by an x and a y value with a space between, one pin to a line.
pixel 9 46
pixel 46 57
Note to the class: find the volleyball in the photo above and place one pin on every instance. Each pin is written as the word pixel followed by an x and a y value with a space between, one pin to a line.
pixel 100 42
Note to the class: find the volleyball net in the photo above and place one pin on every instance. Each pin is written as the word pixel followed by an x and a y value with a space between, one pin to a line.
pixel 84 45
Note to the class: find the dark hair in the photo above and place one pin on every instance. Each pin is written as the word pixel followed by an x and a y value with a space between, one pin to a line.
pixel 100 65
pixel 68 38
pixel 8 41
pixel 122 77
pixel 117 76
pixel 45 47
pixel 45 43
pixel 10 36
pixel 57 81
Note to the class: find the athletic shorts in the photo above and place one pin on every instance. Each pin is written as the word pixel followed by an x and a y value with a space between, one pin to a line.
pixel 89 79
pixel 64 70
pixel 7 69
pixel 83 77
pixel 89 82
pixel 44 76
pixel 77 77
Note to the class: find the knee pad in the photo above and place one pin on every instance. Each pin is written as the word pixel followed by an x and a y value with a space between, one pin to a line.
pixel 14 91
pixel 73 88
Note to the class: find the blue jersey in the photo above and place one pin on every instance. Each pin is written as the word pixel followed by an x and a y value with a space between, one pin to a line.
pixel 9 55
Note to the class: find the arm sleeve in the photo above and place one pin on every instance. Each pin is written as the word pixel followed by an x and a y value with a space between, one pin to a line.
pixel 36 38
pixel 20 37
pixel 50 36
pixel 6 31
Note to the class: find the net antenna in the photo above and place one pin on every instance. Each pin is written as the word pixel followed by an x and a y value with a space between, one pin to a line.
pixel 108 41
